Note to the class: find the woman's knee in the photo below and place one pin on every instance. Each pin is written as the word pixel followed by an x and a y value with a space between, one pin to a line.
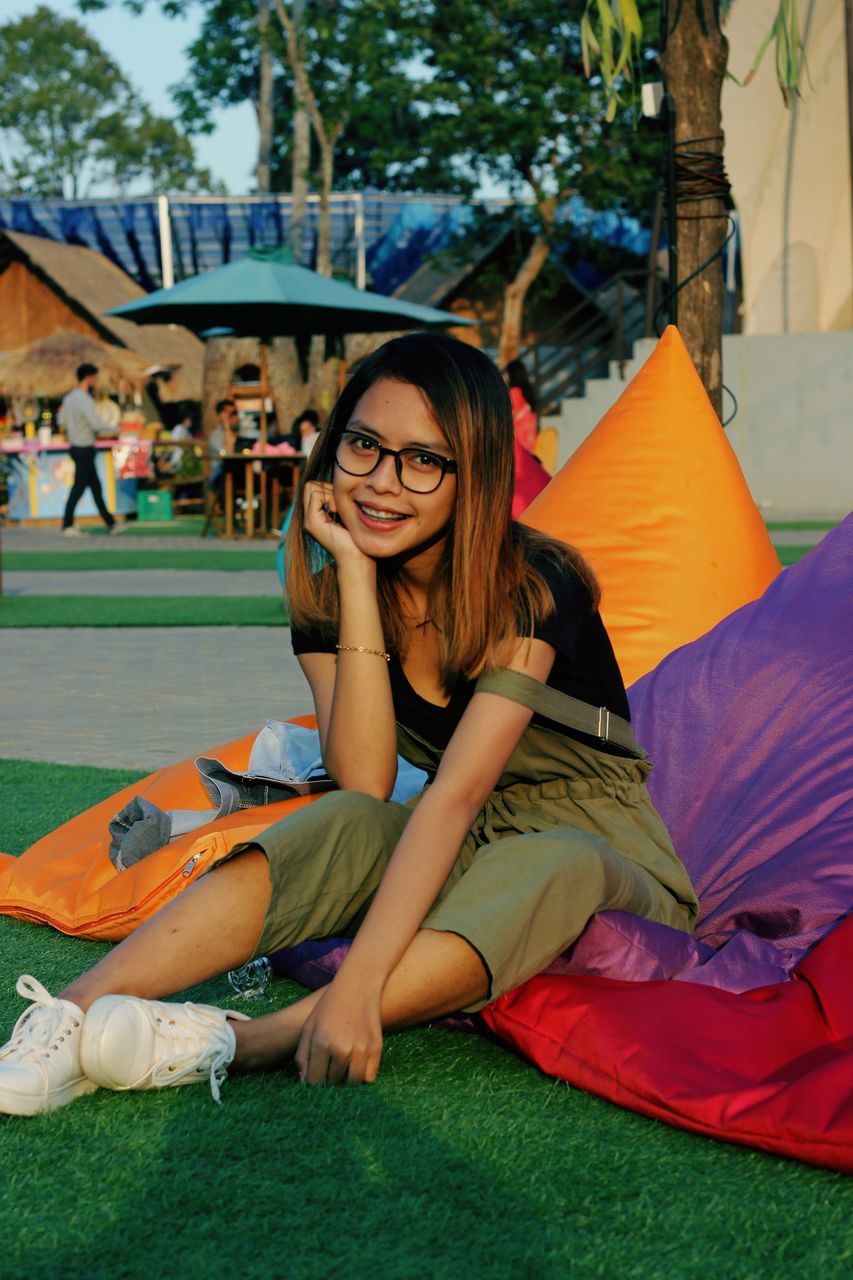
pixel 575 864
pixel 589 870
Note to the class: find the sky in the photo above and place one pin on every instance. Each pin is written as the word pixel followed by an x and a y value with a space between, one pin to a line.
pixel 149 50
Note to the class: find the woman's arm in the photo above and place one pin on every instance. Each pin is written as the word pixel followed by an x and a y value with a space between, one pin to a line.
pixel 352 693
pixel 477 754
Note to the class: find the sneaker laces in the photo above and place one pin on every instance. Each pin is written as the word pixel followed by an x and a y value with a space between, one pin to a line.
pixel 41 1028
pixel 197 1042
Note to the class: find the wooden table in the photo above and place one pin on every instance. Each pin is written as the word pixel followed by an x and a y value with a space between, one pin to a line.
pixel 267 467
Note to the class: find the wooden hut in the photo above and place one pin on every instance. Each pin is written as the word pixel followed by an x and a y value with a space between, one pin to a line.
pixel 46 286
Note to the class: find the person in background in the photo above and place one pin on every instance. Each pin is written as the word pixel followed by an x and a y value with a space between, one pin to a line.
pixel 523 398
pixel 306 431
pixel 169 464
pixel 221 440
pixel 79 420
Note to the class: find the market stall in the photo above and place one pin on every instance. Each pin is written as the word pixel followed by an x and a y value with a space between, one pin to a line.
pixel 40 469
pixel 40 477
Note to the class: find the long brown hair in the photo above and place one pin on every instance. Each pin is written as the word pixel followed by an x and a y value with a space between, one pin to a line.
pixel 484 592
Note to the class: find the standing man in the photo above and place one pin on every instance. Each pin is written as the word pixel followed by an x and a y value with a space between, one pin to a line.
pixel 80 422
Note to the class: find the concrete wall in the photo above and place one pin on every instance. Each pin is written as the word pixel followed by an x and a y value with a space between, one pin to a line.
pixel 793 431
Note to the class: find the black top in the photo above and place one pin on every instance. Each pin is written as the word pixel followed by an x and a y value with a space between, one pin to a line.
pixel 585 666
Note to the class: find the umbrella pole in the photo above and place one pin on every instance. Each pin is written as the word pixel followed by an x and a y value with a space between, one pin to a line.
pixel 264 394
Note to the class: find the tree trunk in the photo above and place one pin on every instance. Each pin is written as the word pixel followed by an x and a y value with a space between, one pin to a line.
pixel 694 64
pixel 285 382
pixel 301 158
pixel 221 357
pixel 514 295
pixel 324 230
pixel 327 136
pixel 322 372
pixel 265 115
pixel 299 180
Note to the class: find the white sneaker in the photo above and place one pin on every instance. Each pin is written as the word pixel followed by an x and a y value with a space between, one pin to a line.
pixel 72 532
pixel 40 1065
pixel 130 1043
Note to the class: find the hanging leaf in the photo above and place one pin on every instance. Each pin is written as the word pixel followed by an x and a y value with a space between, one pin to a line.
pixel 611 38
pixel 790 54
pixel 612 34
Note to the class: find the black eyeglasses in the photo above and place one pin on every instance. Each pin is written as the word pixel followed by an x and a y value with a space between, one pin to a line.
pixel 418 470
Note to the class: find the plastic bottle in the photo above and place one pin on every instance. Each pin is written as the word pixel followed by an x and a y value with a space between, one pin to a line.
pixel 252 980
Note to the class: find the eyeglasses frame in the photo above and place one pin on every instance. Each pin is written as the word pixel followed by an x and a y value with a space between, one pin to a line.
pixel 449 466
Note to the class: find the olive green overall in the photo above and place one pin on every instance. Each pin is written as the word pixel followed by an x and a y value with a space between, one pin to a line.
pixel 568 831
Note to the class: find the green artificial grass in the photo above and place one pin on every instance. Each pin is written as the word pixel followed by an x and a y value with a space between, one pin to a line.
pixel 121 561
pixel 462 1160
pixel 142 611
pixel 775 526
pixel 183 527
pixel 792 555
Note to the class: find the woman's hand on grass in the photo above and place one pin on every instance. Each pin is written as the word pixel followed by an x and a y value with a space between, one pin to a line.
pixel 318 502
pixel 342 1038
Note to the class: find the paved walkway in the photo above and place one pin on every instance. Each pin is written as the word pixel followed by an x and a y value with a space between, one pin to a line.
pixel 142 698
pixel 142 582
pixel 797 537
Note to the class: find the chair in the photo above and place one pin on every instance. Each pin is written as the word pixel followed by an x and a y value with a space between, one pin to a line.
pixel 214 508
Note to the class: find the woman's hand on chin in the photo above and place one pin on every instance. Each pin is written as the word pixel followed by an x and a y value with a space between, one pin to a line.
pixel 342 1038
pixel 318 502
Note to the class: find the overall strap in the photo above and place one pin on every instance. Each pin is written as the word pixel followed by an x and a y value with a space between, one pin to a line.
pixel 597 722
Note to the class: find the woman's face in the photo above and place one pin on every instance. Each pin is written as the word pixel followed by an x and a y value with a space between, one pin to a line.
pixel 384 518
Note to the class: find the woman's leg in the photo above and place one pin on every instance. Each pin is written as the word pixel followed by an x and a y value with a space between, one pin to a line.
pixel 321 866
pixel 212 927
pixel 438 974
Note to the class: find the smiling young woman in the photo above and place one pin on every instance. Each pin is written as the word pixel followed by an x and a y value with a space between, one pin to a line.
pixel 427 623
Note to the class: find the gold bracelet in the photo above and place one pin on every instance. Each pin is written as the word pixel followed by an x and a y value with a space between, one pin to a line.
pixel 360 648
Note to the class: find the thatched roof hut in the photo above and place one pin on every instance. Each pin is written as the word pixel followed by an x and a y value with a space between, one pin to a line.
pixel 46 286
pixel 47 367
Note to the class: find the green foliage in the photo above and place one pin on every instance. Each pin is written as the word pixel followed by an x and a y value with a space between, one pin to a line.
pixel 616 44
pixel 357 56
pixel 71 121
pixel 505 93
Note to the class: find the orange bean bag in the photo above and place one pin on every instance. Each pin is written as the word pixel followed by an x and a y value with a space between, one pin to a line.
pixel 66 879
pixel 657 502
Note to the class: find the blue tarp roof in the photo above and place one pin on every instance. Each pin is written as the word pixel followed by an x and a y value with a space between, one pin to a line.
pixel 397 232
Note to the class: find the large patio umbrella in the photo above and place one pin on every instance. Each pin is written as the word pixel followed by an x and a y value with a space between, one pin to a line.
pixel 266 295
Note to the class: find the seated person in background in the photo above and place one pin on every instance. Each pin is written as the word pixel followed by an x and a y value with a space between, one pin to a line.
pixel 221 440
pixel 169 464
pixel 523 399
pixel 306 429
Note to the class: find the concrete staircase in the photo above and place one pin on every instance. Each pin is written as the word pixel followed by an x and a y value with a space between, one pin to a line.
pixel 579 414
